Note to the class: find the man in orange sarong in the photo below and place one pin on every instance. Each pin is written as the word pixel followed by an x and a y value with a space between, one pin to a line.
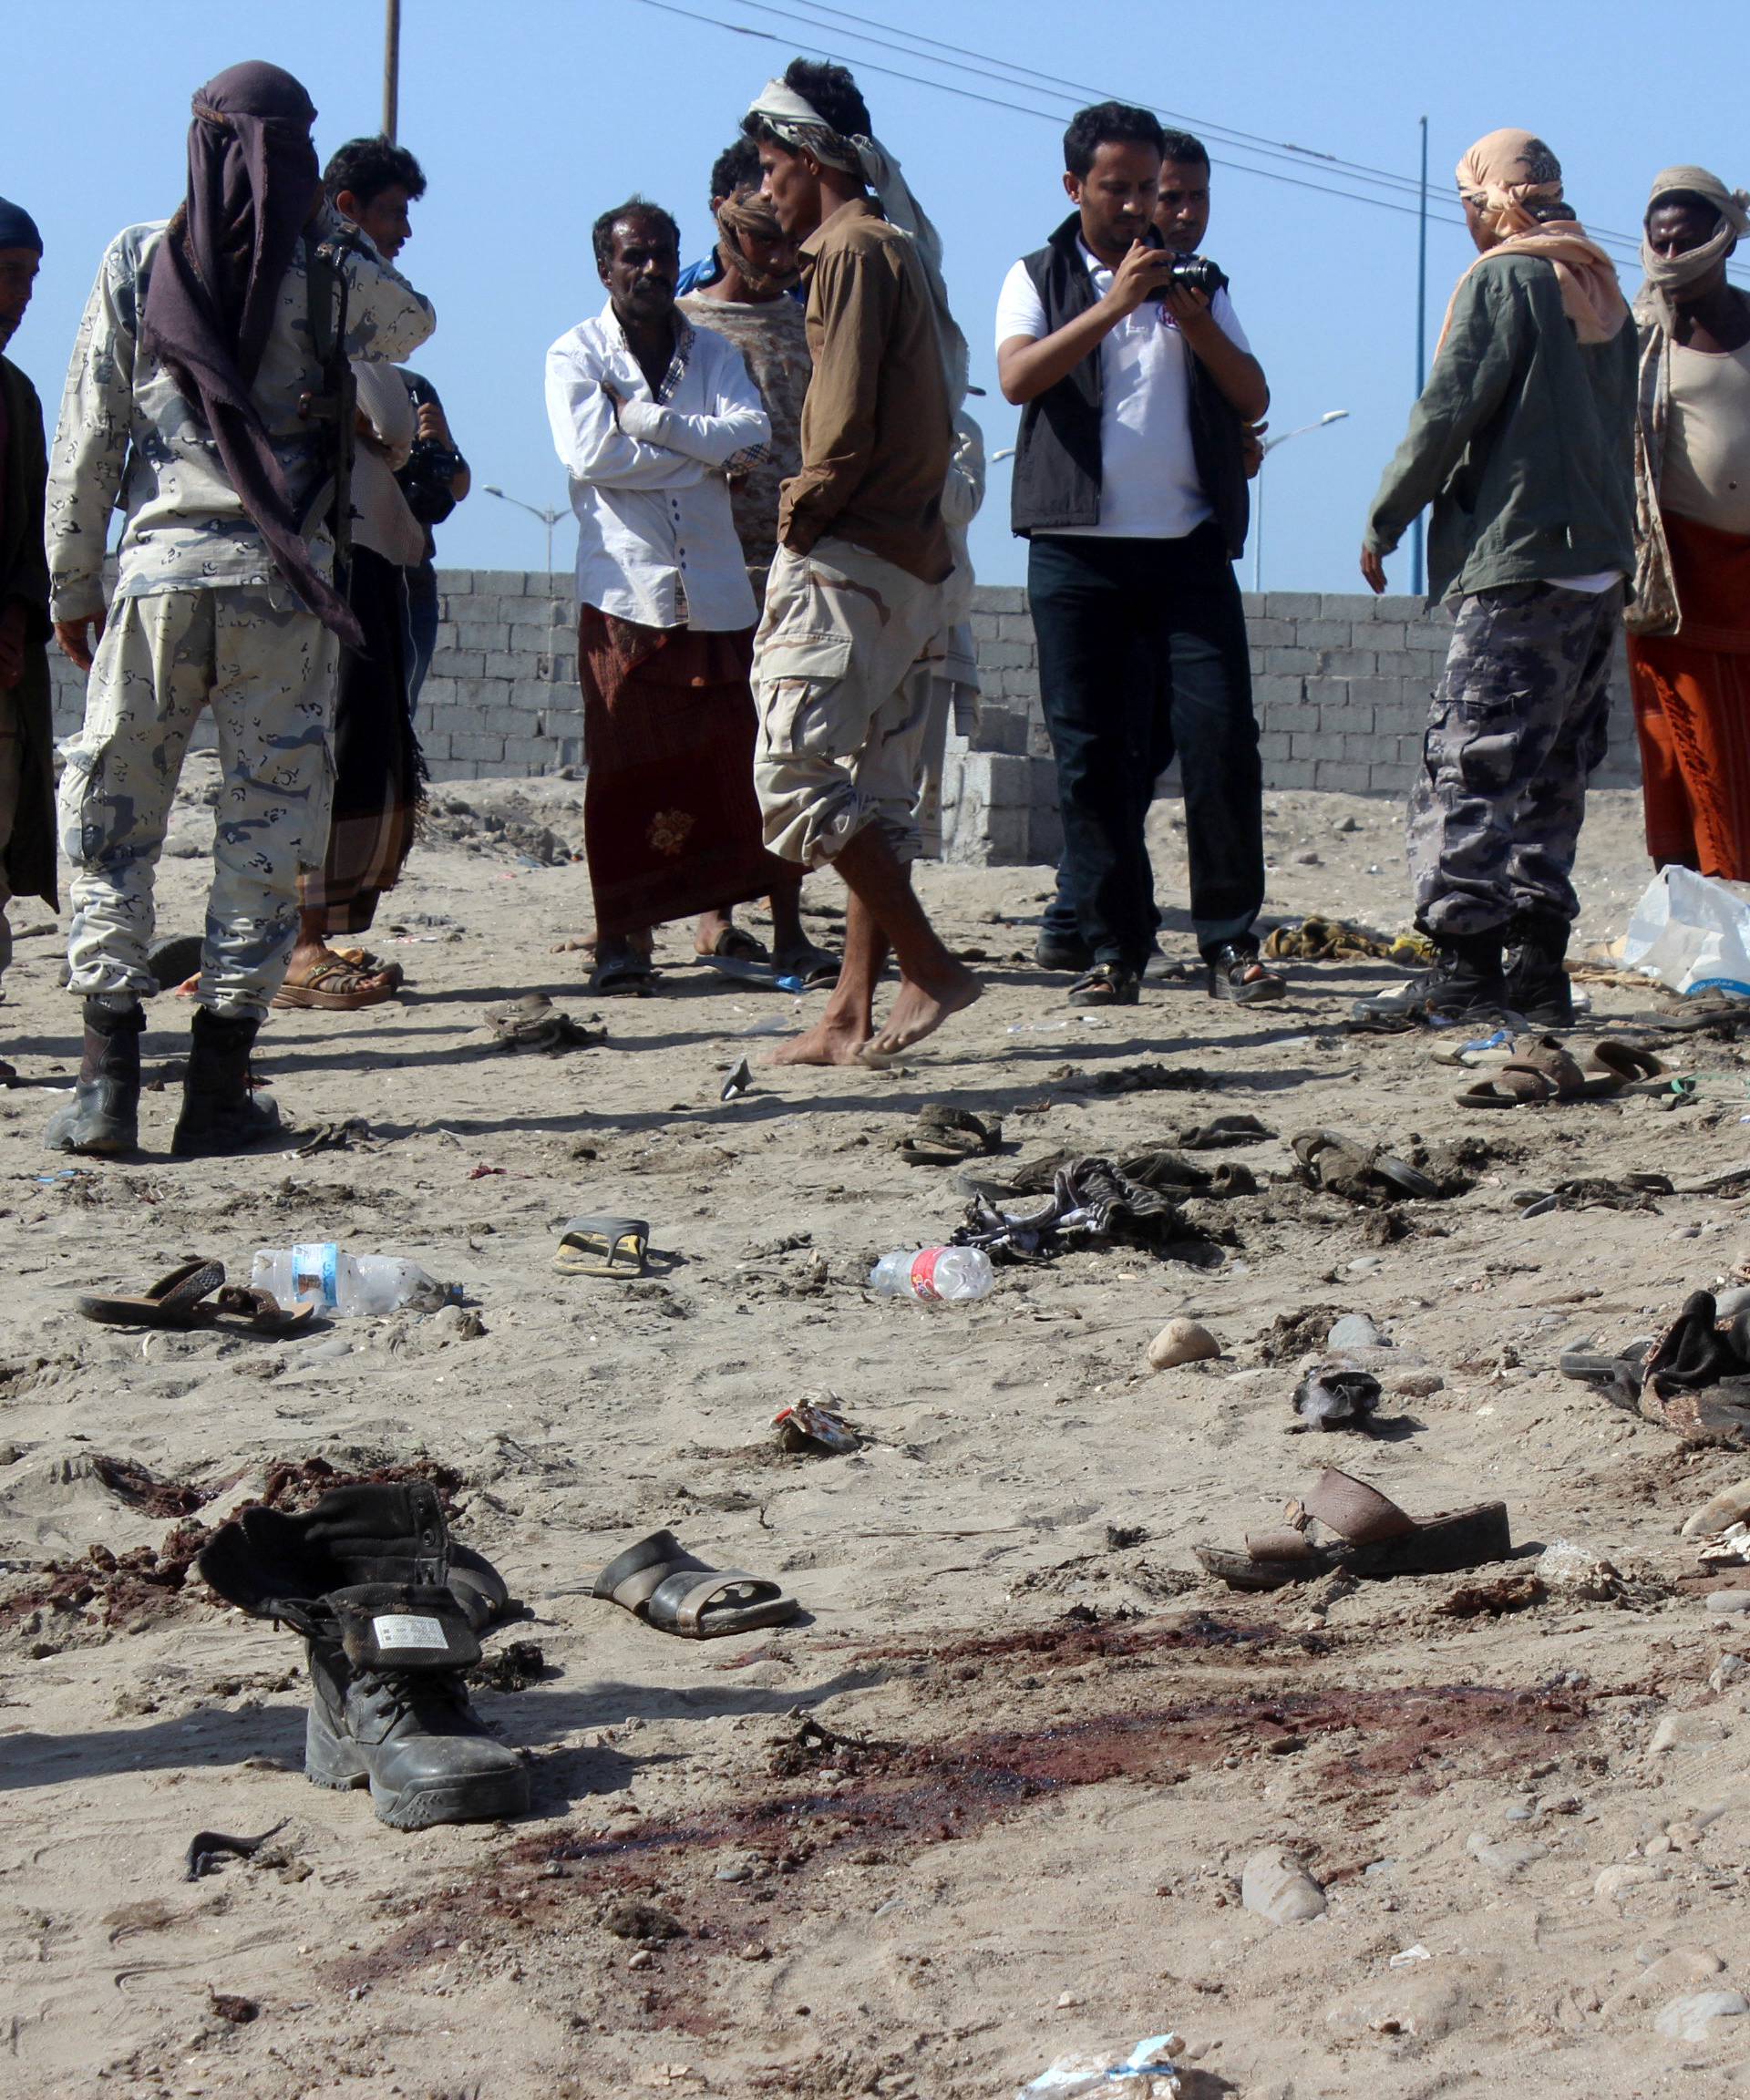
pixel 1689 644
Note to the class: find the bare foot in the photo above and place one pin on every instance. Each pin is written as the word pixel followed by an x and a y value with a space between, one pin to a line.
pixel 831 1041
pixel 917 1012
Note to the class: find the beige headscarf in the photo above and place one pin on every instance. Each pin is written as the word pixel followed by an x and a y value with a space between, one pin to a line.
pixel 793 118
pixel 1669 274
pixel 1505 176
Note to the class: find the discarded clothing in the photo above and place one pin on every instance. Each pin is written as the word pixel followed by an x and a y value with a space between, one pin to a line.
pixel 1091 1199
pixel 1317 940
pixel 1595 1192
pixel 1335 1392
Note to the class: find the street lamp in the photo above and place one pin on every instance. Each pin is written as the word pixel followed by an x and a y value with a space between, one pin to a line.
pixel 1329 416
pixel 548 518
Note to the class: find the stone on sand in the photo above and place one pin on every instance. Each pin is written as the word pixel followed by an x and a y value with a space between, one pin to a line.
pixel 1698 2016
pixel 1685 1731
pixel 1182 1341
pixel 1276 1886
pixel 1730 1506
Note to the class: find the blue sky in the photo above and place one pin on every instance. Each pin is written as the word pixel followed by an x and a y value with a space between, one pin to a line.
pixel 531 115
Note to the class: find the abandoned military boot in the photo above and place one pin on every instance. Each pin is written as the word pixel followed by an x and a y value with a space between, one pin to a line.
pixel 1537 977
pixel 391 1612
pixel 103 1117
pixel 220 1113
pixel 389 1707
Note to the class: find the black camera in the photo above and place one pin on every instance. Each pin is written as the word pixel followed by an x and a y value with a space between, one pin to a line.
pixel 1192 273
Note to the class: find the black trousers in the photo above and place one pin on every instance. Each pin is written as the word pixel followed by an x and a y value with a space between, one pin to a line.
pixel 1142 658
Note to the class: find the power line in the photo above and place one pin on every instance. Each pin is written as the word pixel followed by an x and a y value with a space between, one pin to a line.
pixel 1029 80
pixel 1026 109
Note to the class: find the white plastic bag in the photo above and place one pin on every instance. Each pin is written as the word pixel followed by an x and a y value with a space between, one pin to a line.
pixel 1692 932
pixel 1148 2073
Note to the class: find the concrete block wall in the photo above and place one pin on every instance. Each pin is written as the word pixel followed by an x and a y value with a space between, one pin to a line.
pixel 1340 682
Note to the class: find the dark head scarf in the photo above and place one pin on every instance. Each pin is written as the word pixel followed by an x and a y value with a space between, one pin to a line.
pixel 215 284
pixel 18 228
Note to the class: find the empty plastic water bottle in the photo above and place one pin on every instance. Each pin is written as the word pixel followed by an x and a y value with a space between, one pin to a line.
pixel 345 1285
pixel 948 1275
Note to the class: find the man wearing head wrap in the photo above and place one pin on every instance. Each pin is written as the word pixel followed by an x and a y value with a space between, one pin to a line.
pixel 27 779
pixel 749 302
pixel 1522 441
pixel 856 598
pixel 1689 641
pixel 195 402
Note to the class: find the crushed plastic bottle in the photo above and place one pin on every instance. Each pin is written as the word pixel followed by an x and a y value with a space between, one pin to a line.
pixel 948 1275
pixel 346 1285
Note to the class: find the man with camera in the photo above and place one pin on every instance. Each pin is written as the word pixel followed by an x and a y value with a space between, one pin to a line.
pixel 1137 383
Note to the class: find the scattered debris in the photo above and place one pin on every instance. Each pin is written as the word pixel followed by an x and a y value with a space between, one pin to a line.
pixel 207 1848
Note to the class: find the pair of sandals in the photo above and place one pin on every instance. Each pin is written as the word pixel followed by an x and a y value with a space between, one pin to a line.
pixel 344 981
pixel 737 954
pixel 1543 1069
pixel 534 1022
pixel 194 1296
pixel 948 1137
pixel 1372 1537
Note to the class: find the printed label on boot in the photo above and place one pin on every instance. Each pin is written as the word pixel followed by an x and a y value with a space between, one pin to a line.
pixel 408 1630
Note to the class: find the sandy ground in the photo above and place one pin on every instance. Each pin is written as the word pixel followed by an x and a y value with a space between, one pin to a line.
pixel 988 1801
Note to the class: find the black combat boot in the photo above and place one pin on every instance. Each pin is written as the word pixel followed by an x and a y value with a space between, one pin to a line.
pixel 1466 978
pixel 220 1114
pixel 103 1117
pixel 1536 975
pixel 391 1611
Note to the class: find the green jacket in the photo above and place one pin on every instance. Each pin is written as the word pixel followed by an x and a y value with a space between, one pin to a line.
pixel 1523 441
pixel 27 860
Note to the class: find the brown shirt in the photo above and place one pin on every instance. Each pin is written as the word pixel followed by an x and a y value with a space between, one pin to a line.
pixel 877 437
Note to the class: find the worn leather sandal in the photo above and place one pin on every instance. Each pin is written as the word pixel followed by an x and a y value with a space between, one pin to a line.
pixel 1107 984
pixel 660 1581
pixel 1375 1538
pixel 193 1296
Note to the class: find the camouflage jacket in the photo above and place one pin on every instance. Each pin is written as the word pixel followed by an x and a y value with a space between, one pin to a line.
pixel 128 439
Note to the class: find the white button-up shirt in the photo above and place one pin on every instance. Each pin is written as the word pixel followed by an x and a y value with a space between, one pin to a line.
pixel 656 540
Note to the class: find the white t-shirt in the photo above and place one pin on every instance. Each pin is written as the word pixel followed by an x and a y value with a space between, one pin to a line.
pixel 1148 484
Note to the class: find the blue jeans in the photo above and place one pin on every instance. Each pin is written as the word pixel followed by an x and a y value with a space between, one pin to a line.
pixel 1143 657
pixel 421 628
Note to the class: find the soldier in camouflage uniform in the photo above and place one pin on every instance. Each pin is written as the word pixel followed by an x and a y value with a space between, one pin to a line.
pixel 1523 441
pixel 191 413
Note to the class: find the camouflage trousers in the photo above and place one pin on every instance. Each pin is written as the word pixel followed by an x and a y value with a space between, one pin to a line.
pixel 1517 726
pixel 844 665
pixel 266 668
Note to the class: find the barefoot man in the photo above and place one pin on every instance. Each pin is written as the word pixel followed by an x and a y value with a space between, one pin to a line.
pixel 855 595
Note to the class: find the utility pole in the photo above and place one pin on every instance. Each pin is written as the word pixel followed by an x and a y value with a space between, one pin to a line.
pixel 391 68
pixel 1416 572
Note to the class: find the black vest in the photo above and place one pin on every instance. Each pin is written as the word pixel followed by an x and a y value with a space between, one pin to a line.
pixel 1057 480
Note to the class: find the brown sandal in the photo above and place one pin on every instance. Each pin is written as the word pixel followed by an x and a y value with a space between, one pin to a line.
pixel 334 986
pixel 1377 1540
pixel 197 1295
